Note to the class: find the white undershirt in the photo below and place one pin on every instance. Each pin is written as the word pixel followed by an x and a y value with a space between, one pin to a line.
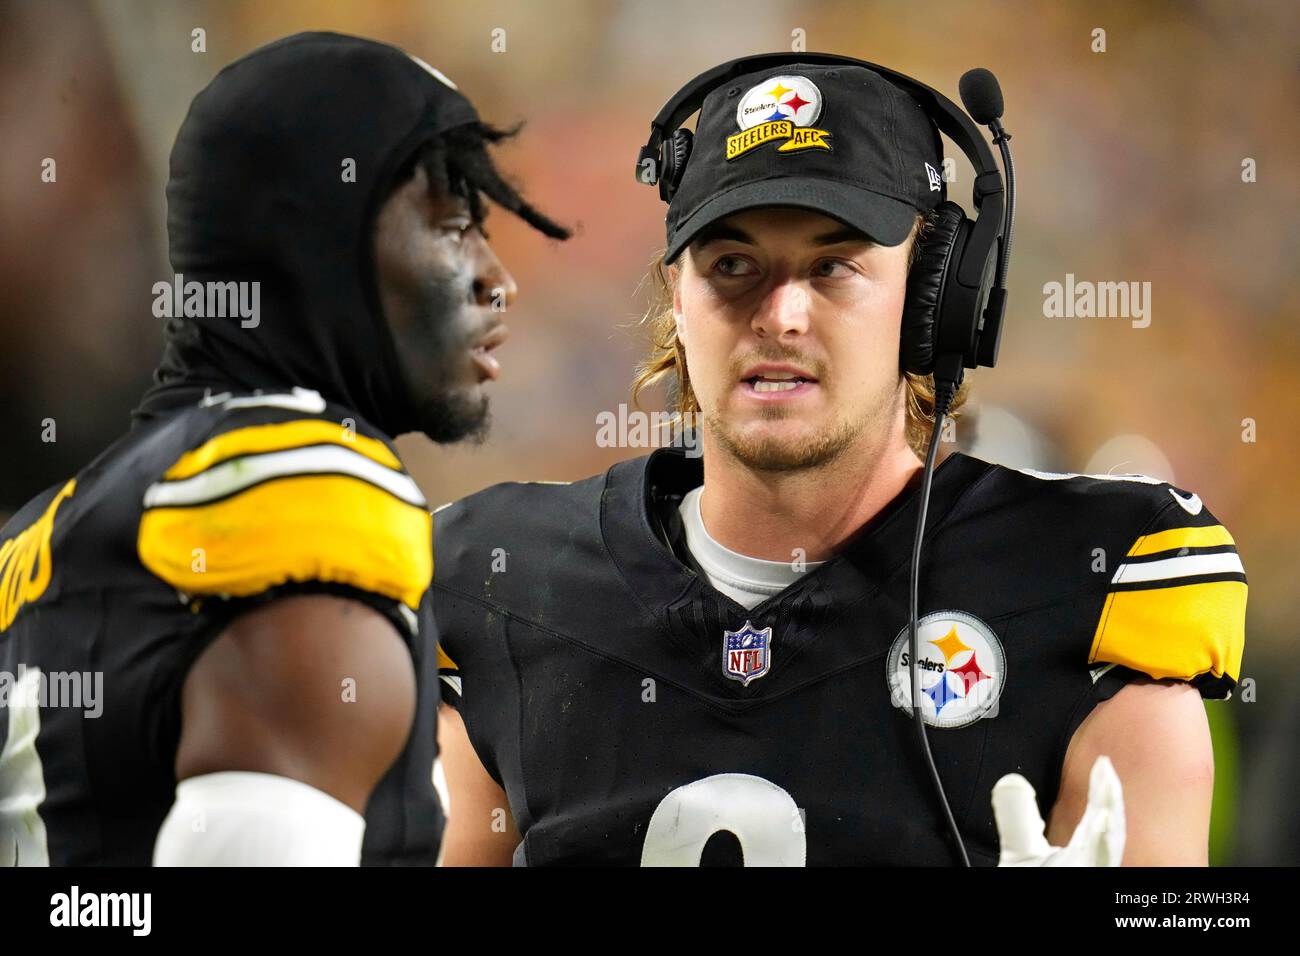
pixel 748 581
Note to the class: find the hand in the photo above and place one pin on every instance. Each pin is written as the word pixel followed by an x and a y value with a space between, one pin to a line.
pixel 1098 840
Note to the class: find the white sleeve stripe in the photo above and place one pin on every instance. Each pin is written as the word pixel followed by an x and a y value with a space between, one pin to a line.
pixel 453 683
pixel 1099 672
pixel 236 474
pixel 300 399
pixel 1192 564
pixel 1064 475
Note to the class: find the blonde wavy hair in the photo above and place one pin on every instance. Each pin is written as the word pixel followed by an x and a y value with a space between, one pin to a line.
pixel 666 360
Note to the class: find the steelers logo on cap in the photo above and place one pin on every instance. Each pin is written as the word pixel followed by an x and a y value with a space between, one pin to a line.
pixel 962 668
pixel 793 98
pixel 779 110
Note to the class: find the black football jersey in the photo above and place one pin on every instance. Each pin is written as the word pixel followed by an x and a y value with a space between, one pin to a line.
pixel 635 715
pixel 113 583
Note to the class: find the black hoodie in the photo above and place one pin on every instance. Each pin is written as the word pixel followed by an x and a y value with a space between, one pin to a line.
pixel 257 192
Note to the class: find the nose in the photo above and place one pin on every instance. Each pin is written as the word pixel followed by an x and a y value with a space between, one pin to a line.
pixel 494 286
pixel 783 314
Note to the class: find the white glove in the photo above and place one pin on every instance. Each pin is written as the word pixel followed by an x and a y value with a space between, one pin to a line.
pixel 1098 840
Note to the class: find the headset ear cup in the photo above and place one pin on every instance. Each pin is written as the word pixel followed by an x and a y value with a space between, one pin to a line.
pixel 676 152
pixel 925 290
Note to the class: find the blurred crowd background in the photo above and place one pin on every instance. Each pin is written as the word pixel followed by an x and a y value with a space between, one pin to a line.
pixel 1130 168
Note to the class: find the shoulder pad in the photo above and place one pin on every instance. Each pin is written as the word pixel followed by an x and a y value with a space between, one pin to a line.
pixel 279 493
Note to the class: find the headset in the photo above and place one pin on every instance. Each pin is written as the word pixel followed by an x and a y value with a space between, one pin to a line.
pixel 956 289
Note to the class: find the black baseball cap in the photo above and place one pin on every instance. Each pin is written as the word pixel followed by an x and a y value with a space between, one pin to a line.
pixel 839 140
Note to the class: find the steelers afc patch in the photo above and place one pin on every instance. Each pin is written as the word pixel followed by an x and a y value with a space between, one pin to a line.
pixel 962 669
pixel 780 109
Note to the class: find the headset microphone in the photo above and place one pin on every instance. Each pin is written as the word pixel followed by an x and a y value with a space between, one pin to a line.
pixel 982 97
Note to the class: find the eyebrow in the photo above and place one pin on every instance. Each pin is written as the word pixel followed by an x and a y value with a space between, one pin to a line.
pixel 722 232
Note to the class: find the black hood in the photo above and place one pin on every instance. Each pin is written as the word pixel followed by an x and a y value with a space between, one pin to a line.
pixel 257 192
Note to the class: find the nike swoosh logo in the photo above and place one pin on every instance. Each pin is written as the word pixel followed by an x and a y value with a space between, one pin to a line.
pixel 1191 505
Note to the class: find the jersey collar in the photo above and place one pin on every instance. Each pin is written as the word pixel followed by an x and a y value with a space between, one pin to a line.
pixel 694 614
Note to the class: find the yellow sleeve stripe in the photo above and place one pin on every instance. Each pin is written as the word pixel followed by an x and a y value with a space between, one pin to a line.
pixel 445 663
pixel 1175 538
pixel 256 439
pixel 330 528
pixel 1179 632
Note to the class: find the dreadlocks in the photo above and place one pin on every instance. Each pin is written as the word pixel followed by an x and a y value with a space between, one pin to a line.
pixel 457 164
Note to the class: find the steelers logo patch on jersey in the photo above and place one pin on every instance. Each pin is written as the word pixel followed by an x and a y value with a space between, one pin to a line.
pixel 961 664
pixel 781 108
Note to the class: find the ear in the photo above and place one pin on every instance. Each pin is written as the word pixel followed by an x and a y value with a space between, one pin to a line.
pixel 674 276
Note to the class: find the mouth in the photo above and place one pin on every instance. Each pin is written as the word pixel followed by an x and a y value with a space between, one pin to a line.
pixel 777 382
pixel 481 351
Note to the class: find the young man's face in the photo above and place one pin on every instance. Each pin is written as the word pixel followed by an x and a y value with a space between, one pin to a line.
pixel 438 282
pixel 791 322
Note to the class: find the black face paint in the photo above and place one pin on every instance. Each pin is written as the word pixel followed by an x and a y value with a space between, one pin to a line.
pixel 433 350
pixel 276 177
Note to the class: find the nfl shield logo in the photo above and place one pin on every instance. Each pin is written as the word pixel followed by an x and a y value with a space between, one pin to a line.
pixel 747 653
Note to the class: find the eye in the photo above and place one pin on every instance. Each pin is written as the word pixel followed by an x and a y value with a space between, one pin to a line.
pixel 824 269
pixel 456 228
pixel 733 266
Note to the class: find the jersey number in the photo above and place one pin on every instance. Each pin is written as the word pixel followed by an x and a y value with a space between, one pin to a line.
pixel 761 815
pixel 22 780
